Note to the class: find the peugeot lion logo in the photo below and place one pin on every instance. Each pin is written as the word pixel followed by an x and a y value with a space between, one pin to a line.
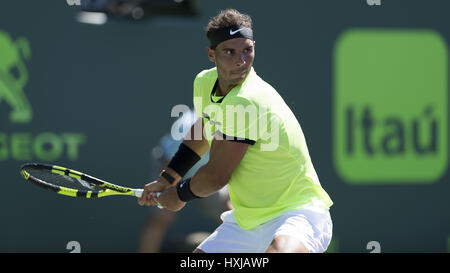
pixel 14 77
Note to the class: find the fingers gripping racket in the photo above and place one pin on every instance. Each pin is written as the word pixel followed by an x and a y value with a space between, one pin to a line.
pixel 73 183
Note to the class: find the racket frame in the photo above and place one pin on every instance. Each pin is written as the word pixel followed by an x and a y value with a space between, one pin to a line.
pixel 108 189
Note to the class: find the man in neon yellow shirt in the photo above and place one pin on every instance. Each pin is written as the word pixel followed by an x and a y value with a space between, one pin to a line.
pixel 256 146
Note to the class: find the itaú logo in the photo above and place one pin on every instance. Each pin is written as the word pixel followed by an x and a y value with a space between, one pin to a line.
pixel 390 106
pixel 23 145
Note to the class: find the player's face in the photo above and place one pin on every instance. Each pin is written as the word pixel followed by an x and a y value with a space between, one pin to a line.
pixel 234 59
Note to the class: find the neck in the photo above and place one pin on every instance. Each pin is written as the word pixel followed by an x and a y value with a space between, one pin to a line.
pixel 223 88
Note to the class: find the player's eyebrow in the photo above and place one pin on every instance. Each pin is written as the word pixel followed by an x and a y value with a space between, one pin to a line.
pixel 228 48
pixel 234 49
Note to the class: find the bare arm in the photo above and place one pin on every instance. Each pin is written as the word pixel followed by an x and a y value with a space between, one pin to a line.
pixel 224 157
pixel 195 140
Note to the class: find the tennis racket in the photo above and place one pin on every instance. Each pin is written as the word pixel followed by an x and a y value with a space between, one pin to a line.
pixel 73 183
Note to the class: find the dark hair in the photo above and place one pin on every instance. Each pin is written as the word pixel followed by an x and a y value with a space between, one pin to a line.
pixel 226 18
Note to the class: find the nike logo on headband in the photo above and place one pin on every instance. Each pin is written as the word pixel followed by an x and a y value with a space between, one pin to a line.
pixel 236 31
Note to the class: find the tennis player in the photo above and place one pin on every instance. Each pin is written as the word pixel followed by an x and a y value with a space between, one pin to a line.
pixel 257 148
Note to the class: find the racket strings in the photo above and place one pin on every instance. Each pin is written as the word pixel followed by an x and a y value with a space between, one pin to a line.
pixel 62 180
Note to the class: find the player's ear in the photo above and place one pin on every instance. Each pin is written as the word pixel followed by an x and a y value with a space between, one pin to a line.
pixel 211 54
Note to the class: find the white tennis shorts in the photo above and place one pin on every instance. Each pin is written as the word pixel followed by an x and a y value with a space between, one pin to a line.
pixel 312 226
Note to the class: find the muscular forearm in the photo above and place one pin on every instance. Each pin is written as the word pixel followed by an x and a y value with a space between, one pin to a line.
pixel 200 147
pixel 207 181
pixel 196 140
pixel 223 159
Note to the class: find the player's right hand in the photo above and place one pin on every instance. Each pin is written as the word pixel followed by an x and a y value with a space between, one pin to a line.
pixel 148 197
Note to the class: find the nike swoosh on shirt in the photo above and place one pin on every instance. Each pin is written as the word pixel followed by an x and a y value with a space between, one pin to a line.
pixel 236 31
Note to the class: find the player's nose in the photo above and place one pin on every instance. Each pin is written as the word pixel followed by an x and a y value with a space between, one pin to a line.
pixel 241 60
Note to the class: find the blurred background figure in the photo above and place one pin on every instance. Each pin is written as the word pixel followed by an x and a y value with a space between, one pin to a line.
pixel 154 232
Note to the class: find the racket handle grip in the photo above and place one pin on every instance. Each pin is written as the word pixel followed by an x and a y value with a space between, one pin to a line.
pixel 138 193
pixel 159 205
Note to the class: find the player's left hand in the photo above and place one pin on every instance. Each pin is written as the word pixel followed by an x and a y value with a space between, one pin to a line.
pixel 148 197
pixel 169 199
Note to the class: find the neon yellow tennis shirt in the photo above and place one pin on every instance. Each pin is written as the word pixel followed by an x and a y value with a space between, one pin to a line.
pixel 276 173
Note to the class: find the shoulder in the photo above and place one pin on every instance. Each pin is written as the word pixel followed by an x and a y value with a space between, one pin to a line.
pixel 204 81
pixel 256 88
pixel 258 93
pixel 206 75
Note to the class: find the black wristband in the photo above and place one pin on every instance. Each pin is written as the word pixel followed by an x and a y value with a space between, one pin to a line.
pixel 183 160
pixel 167 176
pixel 184 191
